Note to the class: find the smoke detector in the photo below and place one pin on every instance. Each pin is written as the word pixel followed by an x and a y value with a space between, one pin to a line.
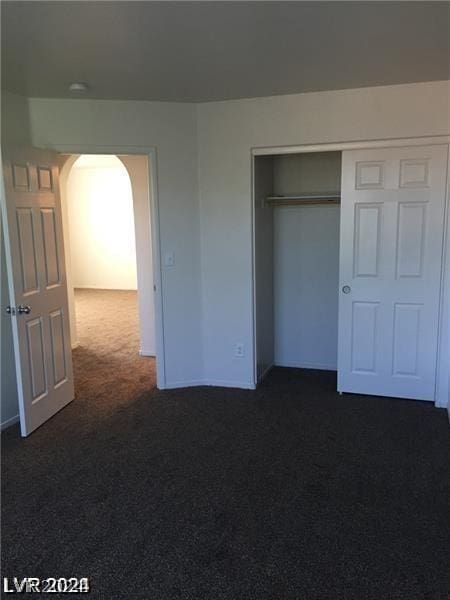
pixel 78 86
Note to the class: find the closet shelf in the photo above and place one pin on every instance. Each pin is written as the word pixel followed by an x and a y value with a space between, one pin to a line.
pixel 304 198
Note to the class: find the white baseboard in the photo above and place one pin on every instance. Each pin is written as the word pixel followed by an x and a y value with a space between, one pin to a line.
pixel 9 422
pixel 173 385
pixel 102 287
pixel 147 353
pixel 242 385
pixel 296 365
pixel 442 404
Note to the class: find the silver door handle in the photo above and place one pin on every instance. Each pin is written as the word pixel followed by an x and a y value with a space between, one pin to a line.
pixel 24 309
pixel 346 289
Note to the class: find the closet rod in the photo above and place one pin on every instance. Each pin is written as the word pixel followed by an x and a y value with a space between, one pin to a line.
pixel 304 199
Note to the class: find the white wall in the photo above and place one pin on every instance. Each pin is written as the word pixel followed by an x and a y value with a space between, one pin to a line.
pixel 226 133
pixel 171 129
pixel 65 163
pixel 308 172
pixel 101 224
pixel 443 378
pixel 138 170
pixel 208 296
pixel 306 279
pixel 15 120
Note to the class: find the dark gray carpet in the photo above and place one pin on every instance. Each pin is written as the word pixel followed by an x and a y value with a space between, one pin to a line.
pixel 289 492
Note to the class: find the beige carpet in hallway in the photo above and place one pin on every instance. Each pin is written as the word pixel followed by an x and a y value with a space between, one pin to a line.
pixel 108 369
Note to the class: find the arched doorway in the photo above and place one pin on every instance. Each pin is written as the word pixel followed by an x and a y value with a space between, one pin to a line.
pixel 107 234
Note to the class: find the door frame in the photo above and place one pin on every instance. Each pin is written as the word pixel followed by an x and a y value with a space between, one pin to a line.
pixel 442 387
pixel 151 153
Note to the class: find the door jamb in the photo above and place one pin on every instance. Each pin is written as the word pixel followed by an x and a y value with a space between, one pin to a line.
pixel 442 392
pixel 151 153
pixel 442 384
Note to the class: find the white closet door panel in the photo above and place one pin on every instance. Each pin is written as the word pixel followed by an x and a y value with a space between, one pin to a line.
pixel 392 212
pixel 367 240
pixel 411 225
pixel 365 316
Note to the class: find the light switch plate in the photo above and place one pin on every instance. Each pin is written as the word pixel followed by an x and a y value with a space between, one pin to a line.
pixel 169 259
pixel 239 350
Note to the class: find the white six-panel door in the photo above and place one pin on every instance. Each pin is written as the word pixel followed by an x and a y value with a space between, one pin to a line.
pixel 39 311
pixel 392 218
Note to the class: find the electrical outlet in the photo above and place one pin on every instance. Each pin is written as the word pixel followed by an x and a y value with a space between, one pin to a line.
pixel 239 350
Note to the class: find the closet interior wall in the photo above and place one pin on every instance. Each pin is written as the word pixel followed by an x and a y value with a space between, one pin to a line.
pixel 296 262
pixel 264 284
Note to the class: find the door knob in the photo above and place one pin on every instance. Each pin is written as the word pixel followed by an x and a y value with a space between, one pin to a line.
pixel 346 289
pixel 24 309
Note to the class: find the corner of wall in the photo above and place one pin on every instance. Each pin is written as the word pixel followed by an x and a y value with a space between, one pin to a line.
pixel 200 239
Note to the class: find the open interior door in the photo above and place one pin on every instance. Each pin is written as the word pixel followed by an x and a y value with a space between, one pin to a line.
pixel 31 214
pixel 392 219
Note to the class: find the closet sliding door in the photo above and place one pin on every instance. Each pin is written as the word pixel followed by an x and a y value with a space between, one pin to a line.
pixel 392 215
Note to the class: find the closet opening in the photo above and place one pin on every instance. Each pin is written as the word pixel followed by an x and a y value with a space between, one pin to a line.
pixel 297 236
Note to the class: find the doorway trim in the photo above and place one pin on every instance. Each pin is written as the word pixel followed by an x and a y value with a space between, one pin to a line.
pixel 442 381
pixel 151 153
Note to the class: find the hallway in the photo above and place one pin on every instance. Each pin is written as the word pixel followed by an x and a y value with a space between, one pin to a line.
pixel 108 370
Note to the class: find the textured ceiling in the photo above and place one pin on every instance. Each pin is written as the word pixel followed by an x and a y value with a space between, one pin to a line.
pixel 203 51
